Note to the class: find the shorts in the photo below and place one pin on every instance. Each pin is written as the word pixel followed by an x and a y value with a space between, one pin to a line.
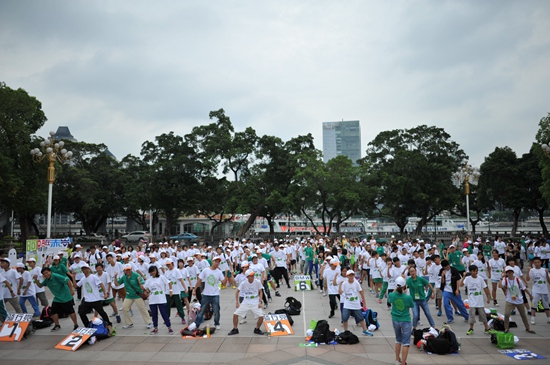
pixel 293 262
pixel 184 294
pixel 540 297
pixel 63 308
pixel 108 301
pixel 366 270
pixel 227 273
pixel 378 280
pixel 245 308
pixel 480 312
pixel 355 312
pixel 438 293
pixel 402 332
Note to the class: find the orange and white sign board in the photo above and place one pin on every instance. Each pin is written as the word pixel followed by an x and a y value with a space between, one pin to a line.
pixel 14 327
pixel 277 325
pixel 73 341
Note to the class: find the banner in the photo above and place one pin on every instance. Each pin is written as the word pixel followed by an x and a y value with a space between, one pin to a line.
pixel 40 249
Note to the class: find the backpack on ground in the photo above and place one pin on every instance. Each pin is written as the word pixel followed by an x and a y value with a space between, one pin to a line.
pixel 347 338
pixel 448 334
pixel 46 313
pixel 322 333
pixel 41 323
pixel 283 311
pixel 440 346
pixel 503 340
pixel 371 317
pixel 293 306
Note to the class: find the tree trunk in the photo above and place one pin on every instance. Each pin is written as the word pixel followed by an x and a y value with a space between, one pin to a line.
pixel 516 221
pixel 250 221
pixel 542 222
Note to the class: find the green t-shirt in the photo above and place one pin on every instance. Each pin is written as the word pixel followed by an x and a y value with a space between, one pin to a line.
pixel 455 259
pixel 60 269
pixel 417 287
pixel 380 250
pixel 309 253
pixel 401 304
pixel 487 249
pixel 131 284
pixel 59 288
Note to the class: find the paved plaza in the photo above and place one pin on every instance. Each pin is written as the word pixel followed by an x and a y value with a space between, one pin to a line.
pixel 137 347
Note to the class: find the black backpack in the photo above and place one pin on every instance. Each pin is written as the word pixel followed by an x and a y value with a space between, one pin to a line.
pixel 293 306
pixel 451 337
pixel 322 333
pixel 347 338
pixel 440 346
pixel 283 311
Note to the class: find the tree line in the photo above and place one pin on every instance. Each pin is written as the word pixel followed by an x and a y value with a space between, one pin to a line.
pixel 216 171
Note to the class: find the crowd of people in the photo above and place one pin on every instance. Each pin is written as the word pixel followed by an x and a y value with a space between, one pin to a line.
pixel 157 276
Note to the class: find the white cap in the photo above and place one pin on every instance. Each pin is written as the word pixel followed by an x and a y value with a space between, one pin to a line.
pixel 97 321
pixel 168 261
pixel 249 272
pixel 400 281
pixel 31 259
pixel 350 272
pixel 77 246
pixel 190 258
pixel 125 255
pixel 84 266
pixel 334 261
pixel 217 258
pixel 60 253
pixel 127 266
pixel 78 256
pixel 508 268
pixel 245 263
pixel 20 264
pixel 104 247
pixel 152 255
pixel 464 249
pixel 55 257
pixel 7 260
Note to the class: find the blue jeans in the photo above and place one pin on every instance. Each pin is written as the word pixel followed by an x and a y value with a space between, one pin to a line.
pixel 425 308
pixel 209 299
pixel 33 302
pixel 155 309
pixel 402 332
pixel 310 268
pixel 449 297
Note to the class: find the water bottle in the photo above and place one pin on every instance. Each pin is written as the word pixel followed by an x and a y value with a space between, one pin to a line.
pixel 459 344
pixel 207 330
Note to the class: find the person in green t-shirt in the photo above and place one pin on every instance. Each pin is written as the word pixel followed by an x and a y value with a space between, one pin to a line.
pixel 417 288
pixel 401 318
pixel 133 282
pixel 455 259
pixel 63 291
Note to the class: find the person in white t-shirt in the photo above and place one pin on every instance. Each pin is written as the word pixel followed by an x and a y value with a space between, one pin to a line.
pixel 92 296
pixel 475 286
pixel 352 294
pixel 496 266
pixel 36 273
pixel 107 281
pixel 330 275
pixel 159 287
pixel 540 278
pixel 251 291
pixel 512 288
pixel 27 290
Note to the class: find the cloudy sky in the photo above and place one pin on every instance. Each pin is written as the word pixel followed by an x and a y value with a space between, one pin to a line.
pixel 123 72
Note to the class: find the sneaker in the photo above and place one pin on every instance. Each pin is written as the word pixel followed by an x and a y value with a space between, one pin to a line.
pixel 451 321
pixel 170 331
pixel 379 301
pixel 265 306
pixel 439 313
pixel 92 340
pixel 532 320
pixel 183 321
pixel 457 313
pixel 495 303
pixel 324 294
pixel 436 307
pixel 513 312
pixel 277 294
pixel 56 328
pixel 258 331
pixel 420 323
pixel 470 332
pixel 234 331
pixel 331 314
pixel 487 331
pixel 367 333
pixel 75 327
pixel 128 326
pixel 320 290
pixel 242 321
pixel 118 319
pixel 530 331
pixel 547 319
pixel 218 327
pixel 269 300
pixel 149 326
pixel 113 314
pixel 154 331
pixel 234 287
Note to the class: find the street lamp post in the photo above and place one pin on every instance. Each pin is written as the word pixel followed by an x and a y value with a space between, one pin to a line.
pixel 465 173
pixel 52 151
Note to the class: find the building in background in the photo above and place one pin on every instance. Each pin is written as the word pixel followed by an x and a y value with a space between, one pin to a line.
pixel 342 138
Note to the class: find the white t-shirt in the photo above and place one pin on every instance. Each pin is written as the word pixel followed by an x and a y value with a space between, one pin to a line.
pixel 13 277
pixel 107 280
pixel 475 290
pixel 280 258
pixel 77 268
pixel 514 288
pixel 497 267
pixel 91 286
pixel 38 272
pixel 27 281
pixel 116 269
pixel 540 284
pixel 193 273
pixel 394 273
pixel 258 270
pixel 175 277
pixel 351 294
pixel 250 292
pixel 329 275
pixel 481 269
pixel 433 275
pixel 159 287
pixel 211 278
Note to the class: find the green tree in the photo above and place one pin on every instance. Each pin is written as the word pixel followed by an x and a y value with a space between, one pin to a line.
pixel 24 186
pixel 413 170
pixel 501 183
pixel 532 179
pixel 91 185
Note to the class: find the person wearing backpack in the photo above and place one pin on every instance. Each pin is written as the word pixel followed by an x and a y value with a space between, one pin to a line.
pixel 352 294
pixel 512 288
pixel 402 303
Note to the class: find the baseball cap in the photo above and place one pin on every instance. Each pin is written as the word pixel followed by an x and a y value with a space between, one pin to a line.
pixel 508 268
pixel 168 261
pixel 77 246
pixel 217 258
pixel 350 272
pixel 85 266
pixel 334 261
pixel 56 257
pixel 249 272
pixel 464 250
pixel 19 264
pixel 127 267
pixel 400 281
pixel 190 259
pixel 6 259
pixel 31 259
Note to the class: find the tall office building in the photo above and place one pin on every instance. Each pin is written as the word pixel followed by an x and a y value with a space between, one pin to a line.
pixel 342 138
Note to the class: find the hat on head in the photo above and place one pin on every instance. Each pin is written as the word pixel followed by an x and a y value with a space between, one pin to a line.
pixel 60 253
pixel 56 257
pixel 19 264
pixel 464 249
pixel 249 272
pixel 6 259
pixel 77 246
pixel 334 261
pixel 508 268
pixel 400 281
pixel 350 272
pixel 217 258
pixel 31 259
pixel 168 261
pixel 84 266
pixel 190 259
pixel 152 255
pixel 245 264
pixel 451 246
pixel 127 267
